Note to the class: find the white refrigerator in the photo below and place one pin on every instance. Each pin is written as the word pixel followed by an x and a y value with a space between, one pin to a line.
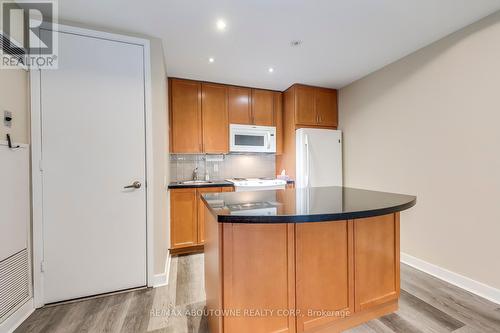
pixel 318 157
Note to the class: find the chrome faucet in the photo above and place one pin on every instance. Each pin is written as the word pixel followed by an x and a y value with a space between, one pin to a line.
pixel 195 173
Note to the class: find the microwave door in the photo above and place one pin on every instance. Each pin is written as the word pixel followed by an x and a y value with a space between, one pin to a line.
pixel 249 142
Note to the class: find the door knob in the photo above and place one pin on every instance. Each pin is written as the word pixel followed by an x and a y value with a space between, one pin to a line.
pixel 135 184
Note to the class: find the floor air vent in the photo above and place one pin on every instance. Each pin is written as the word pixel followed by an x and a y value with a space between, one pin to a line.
pixel 14 283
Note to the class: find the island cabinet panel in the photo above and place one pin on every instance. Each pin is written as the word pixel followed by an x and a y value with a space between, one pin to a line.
pixel 324 273
pixel 263 107
pixel 185 116
pixel 258 275
pixel 213 272
pixel 376 253
pixel 239 106
pixel 183 215
pixel 215 126
pixel 201 211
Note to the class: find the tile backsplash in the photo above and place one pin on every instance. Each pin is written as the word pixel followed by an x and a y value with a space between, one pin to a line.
pixel 221 166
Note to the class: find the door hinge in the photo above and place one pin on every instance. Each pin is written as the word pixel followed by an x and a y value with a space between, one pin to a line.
pixel 40 165
pixel 42 266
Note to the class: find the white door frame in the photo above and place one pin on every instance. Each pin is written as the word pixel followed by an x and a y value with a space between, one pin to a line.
pixel 37 194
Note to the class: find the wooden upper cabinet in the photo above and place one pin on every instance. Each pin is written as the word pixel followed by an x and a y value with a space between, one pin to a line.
pixel 326 107
pixel 315 106
pixel 263 107
pixel 214 118
pixel 183 218
pixel 185 116
pixel 305 113
pixel 250 106
pixel 239 107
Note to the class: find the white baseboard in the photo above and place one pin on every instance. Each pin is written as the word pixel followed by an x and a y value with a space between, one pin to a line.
pixel 490 293
pixel 160 280
pixel 17 318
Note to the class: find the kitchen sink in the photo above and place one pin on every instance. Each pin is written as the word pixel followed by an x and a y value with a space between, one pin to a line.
pixel 187 182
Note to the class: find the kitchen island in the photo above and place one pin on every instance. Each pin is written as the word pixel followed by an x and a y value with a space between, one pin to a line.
pixel 301 260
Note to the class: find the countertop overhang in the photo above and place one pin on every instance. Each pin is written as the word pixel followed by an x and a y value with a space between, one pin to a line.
pixel 314 204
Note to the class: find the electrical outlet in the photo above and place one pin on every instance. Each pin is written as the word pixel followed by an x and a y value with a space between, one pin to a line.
pixel 7 118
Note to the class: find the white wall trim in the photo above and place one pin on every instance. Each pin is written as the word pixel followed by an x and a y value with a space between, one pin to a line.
pixel 35 86
pixel 162 279
pixel 21 145
pixel 17 318
pixel 490 293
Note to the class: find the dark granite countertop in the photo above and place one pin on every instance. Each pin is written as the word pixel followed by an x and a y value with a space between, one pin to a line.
pixel 304 205
pixel 214 183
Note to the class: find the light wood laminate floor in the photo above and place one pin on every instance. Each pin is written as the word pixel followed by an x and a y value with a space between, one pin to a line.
pixel 426 305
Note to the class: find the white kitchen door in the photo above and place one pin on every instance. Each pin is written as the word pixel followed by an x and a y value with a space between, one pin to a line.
pixel 92 146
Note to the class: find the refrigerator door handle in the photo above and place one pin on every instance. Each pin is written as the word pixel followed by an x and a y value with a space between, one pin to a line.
pixel 306 143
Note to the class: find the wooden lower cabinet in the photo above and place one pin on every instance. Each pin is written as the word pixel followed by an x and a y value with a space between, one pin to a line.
pixel 333 275
pixel 187 218
pixel 183 218
pixel 201 211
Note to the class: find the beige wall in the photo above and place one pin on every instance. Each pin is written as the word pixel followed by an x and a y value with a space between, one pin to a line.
pixel 160 155
pixel 14 97
pixel 429 125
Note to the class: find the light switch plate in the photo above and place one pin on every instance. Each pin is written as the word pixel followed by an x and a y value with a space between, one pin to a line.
pixel 7 118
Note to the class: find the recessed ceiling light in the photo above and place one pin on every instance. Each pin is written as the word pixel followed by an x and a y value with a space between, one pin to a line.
pixel 295 43
pixel 221 24
pixel 211 59
pixel 270 70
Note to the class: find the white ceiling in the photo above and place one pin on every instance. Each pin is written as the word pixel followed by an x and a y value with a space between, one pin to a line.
pixel 343 40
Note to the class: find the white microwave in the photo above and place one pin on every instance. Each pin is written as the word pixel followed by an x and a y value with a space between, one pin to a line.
pixel 252 139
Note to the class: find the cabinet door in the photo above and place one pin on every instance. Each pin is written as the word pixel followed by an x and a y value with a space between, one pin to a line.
pixel 376 255
pixel 263 107
pixel 305 113
pixel 183 217
pixel 278 121
pixel 185 116
pixel 202 211
pixel 239 105
pixel 214 118
pixel 324 272
pixel 258 275
pixel 326 107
